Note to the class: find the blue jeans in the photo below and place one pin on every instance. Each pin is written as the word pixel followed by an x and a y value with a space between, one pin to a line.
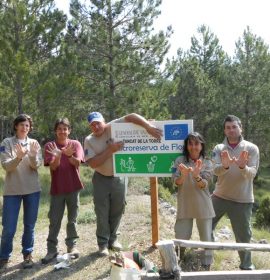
pixel 11 209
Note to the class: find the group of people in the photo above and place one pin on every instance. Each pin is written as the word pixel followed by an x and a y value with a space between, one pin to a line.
pixel 21 157
pixel 235 163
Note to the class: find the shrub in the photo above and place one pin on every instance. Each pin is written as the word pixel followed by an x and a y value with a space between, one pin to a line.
pixel 167 183
pixel 260 182
pixel 262 217
pixel 87 217
pixel 166 195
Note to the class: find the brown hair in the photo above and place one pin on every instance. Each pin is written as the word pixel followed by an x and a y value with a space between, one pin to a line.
pixel 196 136
pixel 22 118
pixel 232 118
pixel 63 121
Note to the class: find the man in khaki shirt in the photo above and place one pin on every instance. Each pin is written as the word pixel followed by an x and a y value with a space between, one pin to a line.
pixel 236 162
pixel 109 191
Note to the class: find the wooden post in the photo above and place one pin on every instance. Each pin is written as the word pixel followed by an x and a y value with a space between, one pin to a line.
pixel 154 210
pixel 222 245
pixel 169 260
pixel 227 275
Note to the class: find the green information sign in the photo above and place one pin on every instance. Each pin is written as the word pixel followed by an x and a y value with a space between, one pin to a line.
pixel 143 155
pixel 145 163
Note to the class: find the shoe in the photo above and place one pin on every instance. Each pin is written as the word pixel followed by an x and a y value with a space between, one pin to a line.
pixel 49 257
pixel 74 253
pixel 252 267
pixel 103 250
pixel 27 261
pixel 3 263
pixel 116 246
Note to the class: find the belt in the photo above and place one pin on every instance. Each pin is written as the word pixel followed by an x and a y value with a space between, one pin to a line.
pixel 104 175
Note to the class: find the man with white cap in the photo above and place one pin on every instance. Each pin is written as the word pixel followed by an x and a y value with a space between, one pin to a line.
pixel 109 191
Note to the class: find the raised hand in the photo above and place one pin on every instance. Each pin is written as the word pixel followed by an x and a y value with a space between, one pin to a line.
pixel 115 146
pixel 154 131
pixel 34 147
pixel 184 169
pixel 197 168
pixel 69 150
pixel 52 149
pixel 226 160
pixel 242 160
pixel 20 151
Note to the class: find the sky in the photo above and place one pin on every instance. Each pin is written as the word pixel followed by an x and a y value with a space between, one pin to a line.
pixel 227 19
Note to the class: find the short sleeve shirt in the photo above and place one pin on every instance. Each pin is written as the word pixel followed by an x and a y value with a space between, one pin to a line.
pixel 95 145
pixel 66 177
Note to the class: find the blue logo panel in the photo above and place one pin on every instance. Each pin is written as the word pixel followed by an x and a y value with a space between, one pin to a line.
pixel 176 131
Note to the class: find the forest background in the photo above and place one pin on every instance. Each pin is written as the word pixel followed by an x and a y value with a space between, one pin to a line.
pixel 107 57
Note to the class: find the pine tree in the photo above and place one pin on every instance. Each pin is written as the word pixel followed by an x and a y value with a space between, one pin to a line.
pixel 30 35
pixel 118 50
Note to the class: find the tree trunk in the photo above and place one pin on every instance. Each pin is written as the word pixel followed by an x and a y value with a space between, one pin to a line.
pixel 19 93
pixel 112 99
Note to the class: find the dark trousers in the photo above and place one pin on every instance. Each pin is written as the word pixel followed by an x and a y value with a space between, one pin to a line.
pixel 240 217
pixel 109 200
pixel 56 213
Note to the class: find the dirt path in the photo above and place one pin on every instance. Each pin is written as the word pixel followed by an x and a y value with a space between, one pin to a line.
pixel 135 234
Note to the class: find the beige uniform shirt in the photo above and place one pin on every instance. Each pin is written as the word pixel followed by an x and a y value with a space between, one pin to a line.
pixel 193 202
pixel 236 184
pixel 21 175
pixel 95 145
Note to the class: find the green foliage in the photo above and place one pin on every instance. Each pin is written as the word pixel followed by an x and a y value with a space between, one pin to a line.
pixel 250 85
pixel 153 100
pixel 166 195
pixel 198 83
pixel 30 33
pixel 45 181
pixel 210 85
pixel 262 217
pixel 168 184
pixel 118 51
pixel 108 58
pixel 260 182
pixel 86 217
pixel 86 174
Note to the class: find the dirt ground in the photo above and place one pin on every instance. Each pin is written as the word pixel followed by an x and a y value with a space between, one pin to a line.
pixel 135 234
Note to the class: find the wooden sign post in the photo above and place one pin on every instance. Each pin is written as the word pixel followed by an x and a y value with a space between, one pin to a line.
pixel 154 210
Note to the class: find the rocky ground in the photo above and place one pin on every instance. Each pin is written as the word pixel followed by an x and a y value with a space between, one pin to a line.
pixel 135 234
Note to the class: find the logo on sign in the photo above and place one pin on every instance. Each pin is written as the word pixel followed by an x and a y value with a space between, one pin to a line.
pixel 128 165
pixel 176 131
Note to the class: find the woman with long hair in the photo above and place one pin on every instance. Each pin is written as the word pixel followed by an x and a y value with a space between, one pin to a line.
pixel 192 176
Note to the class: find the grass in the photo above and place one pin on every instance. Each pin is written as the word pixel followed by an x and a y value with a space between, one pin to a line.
pixel 262 183
pixel 87 216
